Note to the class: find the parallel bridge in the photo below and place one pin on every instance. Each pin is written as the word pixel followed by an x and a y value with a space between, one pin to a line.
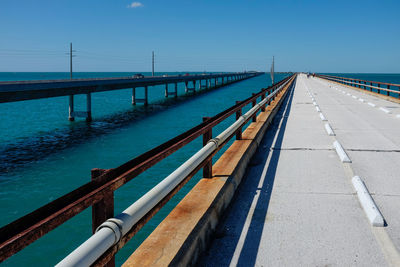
pixel 28 90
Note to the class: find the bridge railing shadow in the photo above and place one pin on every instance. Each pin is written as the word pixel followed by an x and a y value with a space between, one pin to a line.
pixel 249 251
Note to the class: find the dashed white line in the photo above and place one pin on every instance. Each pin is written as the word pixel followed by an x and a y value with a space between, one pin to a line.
pixel 322 117
pixel 371 104
pixel 361 100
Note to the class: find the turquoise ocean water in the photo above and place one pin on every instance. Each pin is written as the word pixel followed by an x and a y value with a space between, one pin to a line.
pixel 43 155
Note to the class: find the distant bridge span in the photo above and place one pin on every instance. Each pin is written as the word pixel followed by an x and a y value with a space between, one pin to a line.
pixel 28 90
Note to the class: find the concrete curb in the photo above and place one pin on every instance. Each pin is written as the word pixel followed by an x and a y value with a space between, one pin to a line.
pixel 341 153
pixel 371 210
pixel 329 129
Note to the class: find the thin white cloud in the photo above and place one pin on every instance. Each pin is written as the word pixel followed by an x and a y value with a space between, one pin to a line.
pixel 135 5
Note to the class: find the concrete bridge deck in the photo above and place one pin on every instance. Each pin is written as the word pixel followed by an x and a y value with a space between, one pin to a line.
pixel 297 205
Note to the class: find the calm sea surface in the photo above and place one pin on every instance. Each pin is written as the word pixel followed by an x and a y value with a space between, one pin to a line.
pixel 43 155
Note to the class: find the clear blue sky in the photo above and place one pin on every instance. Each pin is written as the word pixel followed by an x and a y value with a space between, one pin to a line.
pixel 211 35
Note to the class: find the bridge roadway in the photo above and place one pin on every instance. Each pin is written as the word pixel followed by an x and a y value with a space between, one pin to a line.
pixel 297 205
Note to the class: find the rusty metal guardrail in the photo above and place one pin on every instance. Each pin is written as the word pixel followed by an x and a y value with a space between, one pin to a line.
pixel 363 84
pixel 98 193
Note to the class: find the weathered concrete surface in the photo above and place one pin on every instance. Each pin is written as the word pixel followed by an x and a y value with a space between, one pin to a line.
pixel 186 231
pixel 372 140
pixel 296 205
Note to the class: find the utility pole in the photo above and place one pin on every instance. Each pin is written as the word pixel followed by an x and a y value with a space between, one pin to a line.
pixel 71 55
pixel 272 72
pixel 152 64
pixel 71 116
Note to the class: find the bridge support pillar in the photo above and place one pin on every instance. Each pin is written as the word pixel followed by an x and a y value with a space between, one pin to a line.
pixel 174 93
pixel 140 100
pixel 193 89
pixel 85 114
pixel 88 107
pixel 146 96
pixel 71 108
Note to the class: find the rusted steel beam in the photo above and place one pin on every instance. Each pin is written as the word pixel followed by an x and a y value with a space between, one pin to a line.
pixel 25 230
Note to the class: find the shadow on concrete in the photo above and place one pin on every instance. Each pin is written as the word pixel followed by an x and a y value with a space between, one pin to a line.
pixel 232 225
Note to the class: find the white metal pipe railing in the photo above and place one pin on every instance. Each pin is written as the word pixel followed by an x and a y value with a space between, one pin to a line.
pixel 112 230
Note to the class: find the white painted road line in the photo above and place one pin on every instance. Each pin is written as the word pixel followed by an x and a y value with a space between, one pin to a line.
pixel 329 129
pixel 361 100
pixel 341 153
pixel 398 116
pixel 371 104
pixel 371 210
pixel 322 117
pixel 354 97
pixel 317 108
pixel 314 103
pixel 385 110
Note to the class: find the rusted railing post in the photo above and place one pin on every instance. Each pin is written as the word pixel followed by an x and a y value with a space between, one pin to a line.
pixel 207 169
pixel 379 91
pixel 268 93
pixel 102 210
pixel 238 114
pixel 262 98
pixel 253 103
